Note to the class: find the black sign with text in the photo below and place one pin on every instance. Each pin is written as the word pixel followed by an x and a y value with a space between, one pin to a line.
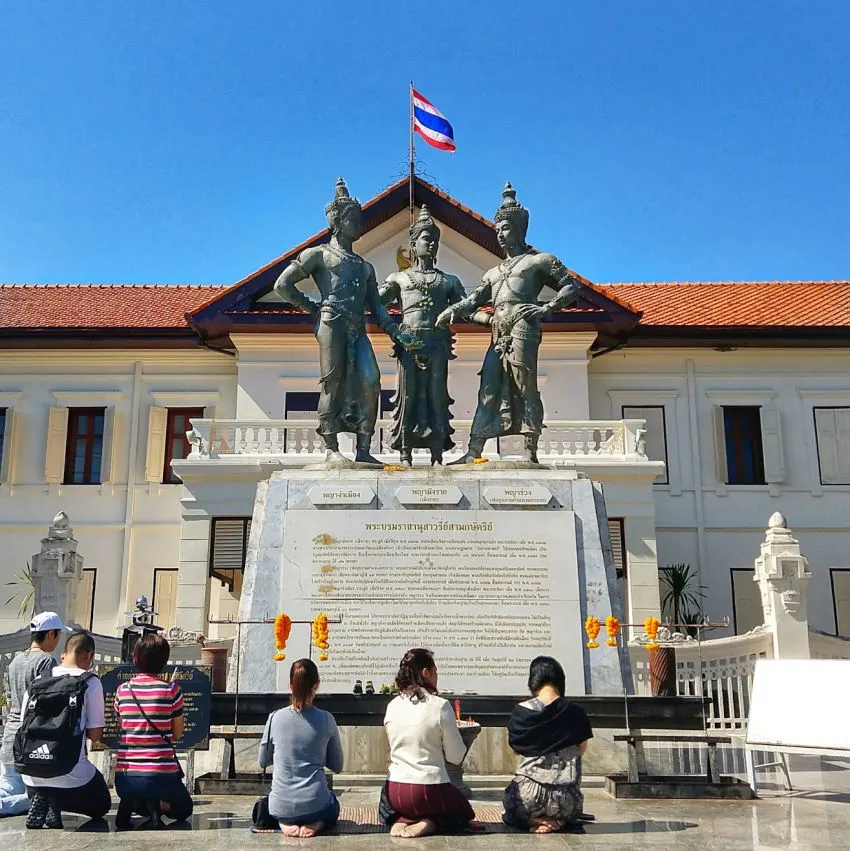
pixel 195 682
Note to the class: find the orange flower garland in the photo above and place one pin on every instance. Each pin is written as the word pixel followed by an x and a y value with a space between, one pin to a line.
pixel 591 627
pixel 320 635
pixel 612 628
pixel 650 626
pixel 282 628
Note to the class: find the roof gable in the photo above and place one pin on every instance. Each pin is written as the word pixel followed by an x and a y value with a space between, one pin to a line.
pixel 238 305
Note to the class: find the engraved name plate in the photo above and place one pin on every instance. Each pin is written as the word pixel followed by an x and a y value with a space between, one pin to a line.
pixel 517 495
pixel 429 495
pixel 341 495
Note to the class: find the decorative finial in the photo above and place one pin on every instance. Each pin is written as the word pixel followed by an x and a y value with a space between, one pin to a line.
pixel 340 190
pixel 777 521
pixel 341 202
pixel 511 210
pixel 61 520
pixel 423 222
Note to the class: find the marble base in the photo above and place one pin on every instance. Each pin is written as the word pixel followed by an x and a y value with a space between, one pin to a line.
pixel 485 586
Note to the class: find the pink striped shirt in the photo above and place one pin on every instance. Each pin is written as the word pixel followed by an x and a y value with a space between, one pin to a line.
pixel 142 749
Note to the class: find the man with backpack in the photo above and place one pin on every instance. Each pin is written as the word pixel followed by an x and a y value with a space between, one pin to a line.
pixel 59 712
pixel 45 631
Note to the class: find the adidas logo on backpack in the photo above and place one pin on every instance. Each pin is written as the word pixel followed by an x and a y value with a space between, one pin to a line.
pixel 41 752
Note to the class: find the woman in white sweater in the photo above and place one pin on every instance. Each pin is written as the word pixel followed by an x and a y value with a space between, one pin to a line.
pixel 423 735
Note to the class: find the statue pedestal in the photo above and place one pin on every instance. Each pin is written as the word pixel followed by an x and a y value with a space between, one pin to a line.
pixel 485 567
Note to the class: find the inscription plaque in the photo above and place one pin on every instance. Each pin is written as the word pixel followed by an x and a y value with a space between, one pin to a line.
pixel 485 592
pixel 195 682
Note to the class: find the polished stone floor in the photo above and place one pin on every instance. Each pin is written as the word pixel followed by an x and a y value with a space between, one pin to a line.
pixel 778 820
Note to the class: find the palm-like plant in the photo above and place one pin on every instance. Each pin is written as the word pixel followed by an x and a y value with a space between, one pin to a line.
pixel 26 591
pixel 682 600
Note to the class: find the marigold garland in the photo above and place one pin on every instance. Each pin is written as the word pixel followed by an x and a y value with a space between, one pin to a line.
pixel 480 460
pixel 650 627
pixel 591 627
pixel 282 628
pixel 320 635
pixel 612 629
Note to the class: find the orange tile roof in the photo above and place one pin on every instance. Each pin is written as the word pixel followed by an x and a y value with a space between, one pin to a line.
pixel 782 304
pixel 738 304
pixel 99 305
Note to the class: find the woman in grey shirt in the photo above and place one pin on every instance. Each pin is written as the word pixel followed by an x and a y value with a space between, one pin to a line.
pixel 300 741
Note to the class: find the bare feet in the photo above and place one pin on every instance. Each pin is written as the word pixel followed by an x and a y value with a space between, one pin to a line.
pixel 545 825
pixel 289 829
pixel 412 831
pixel 306 831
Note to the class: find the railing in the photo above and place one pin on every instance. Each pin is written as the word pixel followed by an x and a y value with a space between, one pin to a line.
pixel 823 645
pixel 296 440
pixel 720 668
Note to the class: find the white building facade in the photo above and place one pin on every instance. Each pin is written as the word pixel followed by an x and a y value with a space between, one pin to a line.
pixel 703 408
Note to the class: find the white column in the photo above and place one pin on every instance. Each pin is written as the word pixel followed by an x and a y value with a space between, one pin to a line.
pixel 193 574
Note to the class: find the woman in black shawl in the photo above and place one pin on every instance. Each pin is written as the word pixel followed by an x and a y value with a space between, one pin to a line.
pixel 550 734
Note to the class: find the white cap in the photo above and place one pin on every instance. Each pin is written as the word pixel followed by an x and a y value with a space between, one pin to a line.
pixel 45 621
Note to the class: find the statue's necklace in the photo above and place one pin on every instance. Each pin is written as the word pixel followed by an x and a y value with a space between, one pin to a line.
pixel 421 281
pixel 507 266
pixel 343 254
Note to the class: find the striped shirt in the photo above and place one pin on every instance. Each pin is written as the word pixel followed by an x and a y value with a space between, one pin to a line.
pixel 143 750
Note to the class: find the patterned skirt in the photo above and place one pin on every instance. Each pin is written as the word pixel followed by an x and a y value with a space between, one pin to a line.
pixel 525 800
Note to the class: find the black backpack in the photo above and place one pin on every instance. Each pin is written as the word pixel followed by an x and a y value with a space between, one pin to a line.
pixel 50 739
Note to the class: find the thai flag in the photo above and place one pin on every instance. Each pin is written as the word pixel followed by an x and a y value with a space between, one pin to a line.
pixel 431 124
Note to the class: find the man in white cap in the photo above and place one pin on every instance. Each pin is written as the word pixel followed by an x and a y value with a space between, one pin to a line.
pixel 45 631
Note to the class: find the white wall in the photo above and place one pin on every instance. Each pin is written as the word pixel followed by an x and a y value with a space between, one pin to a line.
pixel 126 528
pixel 714 526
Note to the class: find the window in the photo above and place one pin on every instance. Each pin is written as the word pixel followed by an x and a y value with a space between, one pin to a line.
pixel 301 405
pixel 618 544
pixel 164 598
pixel 747 609
pixel 2 434
pixel 177 445
pixel 743 440
pixel 229 548
pixel 840 581
pixel 84 447
pixel 832 435
pixel 656 433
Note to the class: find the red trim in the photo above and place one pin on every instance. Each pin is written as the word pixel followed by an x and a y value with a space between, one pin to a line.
pixel 443 146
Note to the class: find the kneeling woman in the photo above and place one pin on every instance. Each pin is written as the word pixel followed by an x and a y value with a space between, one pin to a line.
pixel 300 741
pixel 550 734
pixel 148 777
pixel 423 735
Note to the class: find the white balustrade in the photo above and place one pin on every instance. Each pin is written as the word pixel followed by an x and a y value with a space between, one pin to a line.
pixel 562 440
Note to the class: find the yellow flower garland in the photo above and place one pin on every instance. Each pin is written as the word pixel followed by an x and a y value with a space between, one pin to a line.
pixel 591 627
pixel 650 627
pixel 320 635
pixel 612 628
pixel 282 628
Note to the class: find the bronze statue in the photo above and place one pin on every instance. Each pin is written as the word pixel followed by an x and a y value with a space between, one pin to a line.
pixel 508 398
pixel 421 416
pixel 350 382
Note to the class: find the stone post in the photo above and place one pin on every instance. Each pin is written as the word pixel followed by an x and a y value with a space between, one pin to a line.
pixel 57 570
pixel 783 577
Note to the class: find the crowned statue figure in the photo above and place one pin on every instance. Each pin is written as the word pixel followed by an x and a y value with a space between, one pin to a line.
pixel 421 413
pixel 350 380
pixel 508 397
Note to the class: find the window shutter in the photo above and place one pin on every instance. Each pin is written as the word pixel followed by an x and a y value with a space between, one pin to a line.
pixel 229 547
pixel 721 467
pixel 615 530
pixel 7 465
pixel 842 433
pixel 57 439
pixel 107 461
pixel 771 441
pixel 155 454
pixel 833 441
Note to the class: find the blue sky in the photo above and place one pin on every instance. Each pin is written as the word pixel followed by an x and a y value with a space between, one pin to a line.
pixel 188 142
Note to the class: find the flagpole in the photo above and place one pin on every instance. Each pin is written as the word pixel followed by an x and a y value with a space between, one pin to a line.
pixel 412 154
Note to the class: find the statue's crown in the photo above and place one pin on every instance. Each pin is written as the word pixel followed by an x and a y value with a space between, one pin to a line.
pixel 423 222
pixel 510 209
pixel 342 200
